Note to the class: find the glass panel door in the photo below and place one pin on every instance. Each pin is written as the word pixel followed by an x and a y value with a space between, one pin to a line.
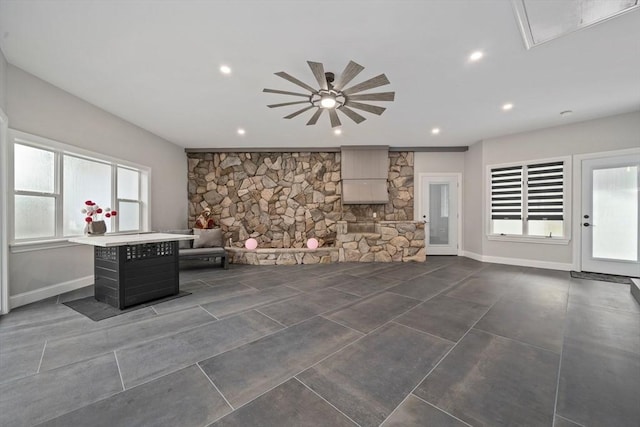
pixel 439 209
pixel 610 219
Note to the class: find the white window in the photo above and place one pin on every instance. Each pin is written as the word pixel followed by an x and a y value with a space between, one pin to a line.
pixel 530 200
pixel 52 181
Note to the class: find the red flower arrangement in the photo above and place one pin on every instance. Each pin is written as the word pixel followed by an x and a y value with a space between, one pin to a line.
pixel 93 212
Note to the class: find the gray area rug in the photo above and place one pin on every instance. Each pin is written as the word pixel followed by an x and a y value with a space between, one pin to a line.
pixel 97 310
pixel 601 277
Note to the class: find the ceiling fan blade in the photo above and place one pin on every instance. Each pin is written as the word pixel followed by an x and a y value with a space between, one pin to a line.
pixel 318 72
pixel 295 81
pixel 352 114
pixel 376 81
pixel 287 103
pixel 314 119
pixel 292 115
pixel 381 96
pixel 350 71
pixel 284 92
pixel 333 116
pixel 366 107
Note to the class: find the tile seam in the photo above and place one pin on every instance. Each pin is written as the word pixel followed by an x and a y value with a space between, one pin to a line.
pixel 215 386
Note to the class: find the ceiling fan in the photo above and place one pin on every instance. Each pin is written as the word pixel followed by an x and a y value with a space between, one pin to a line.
pixel 333 96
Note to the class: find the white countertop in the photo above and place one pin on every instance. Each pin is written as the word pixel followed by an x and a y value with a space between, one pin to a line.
pixel 130 239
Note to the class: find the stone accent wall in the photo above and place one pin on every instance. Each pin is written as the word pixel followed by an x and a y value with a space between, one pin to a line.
pixel 283 199
pixel 275 256
pixel 387 241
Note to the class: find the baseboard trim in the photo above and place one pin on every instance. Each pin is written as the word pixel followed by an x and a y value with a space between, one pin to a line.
pixel 49 291
pixel 520 262
pixel 472 255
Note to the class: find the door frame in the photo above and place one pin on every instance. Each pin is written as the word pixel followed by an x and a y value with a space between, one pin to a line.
pixel 577 198
pixel 418 212
pixel 4 226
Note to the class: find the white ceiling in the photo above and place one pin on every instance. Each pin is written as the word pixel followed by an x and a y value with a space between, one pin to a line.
pixel 155 64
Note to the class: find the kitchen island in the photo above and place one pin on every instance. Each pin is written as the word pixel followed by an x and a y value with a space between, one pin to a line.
pixel 133 269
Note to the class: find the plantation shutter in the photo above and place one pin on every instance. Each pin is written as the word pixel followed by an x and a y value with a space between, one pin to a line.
pixel 506 193
pixel 545 183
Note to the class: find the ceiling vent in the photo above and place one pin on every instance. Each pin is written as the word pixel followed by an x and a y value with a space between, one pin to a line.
pixel 543 21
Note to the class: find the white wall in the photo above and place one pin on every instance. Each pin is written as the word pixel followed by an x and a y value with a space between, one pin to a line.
pixel 600 135
pixel 37 107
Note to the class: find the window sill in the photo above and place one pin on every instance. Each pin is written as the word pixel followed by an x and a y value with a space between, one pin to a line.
pixel 41 245
pixel 530 239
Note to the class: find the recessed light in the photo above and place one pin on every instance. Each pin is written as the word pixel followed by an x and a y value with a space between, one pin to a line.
pixel 435 131
pixel 338 131
pixel 476 55
pixel 241 131
pixel 507 107
pixel 225 69
pixel 566 113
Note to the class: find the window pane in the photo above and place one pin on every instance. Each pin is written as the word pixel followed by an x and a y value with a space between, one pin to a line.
pixel 507 226
pixel 35 216
pixel 439 214
pixel 615 213
pixel 34 169
pixel 83 180
pixel 545 228
pixel 129 216
pixel 128 184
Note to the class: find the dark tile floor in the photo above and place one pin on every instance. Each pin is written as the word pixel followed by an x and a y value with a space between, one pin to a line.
pixel 451 342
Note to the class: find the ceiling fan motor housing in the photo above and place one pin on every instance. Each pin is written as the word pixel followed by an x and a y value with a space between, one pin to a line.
pixel 330 77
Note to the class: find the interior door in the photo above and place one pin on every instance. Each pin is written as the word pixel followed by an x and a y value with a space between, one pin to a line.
pixel 610 219
pixel 439 209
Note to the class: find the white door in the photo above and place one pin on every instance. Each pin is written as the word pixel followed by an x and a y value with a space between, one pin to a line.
pixel 439 209
pixel 609 219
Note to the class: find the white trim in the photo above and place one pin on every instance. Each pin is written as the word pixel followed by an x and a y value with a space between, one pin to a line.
pixel 4 223
pixel 520 11
pixel 21 247
pixel 529 239
pixel 578 159
pixel 472 255
pixel 566 199
pixel 520 262
pixel 577 198
pixel 52 145
pixel 49 291
pixel 60 149
pixel 458 176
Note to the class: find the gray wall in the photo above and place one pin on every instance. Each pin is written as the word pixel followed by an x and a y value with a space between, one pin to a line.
pixel 435 162
pixel 39 108
pixel 593 136
pixel 3 82
pixel 472 201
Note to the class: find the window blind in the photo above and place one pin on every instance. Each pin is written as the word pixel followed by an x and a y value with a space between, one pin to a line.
pixel 545 183
pixel 506 193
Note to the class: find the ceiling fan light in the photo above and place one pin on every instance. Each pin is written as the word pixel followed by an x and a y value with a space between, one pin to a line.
pixel 328 101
